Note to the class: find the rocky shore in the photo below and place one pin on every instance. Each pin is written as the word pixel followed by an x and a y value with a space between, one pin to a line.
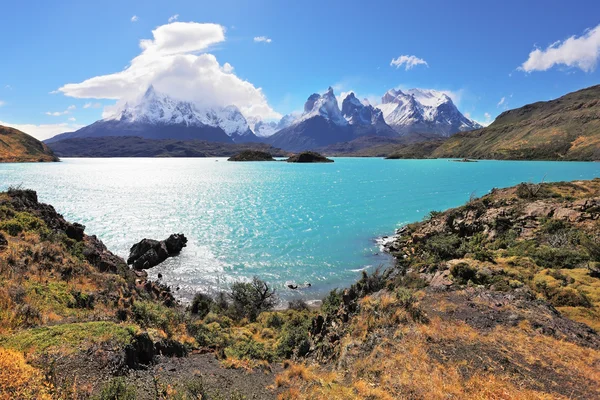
pixel 499 298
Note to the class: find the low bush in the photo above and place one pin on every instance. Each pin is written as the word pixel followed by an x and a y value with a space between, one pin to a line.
pixel 23 222
pixel 249 299
pixel 117 389
pixel 294 338
pixel 153 315
pixel 201 305
pixel 444 247
pixel 550 257
pixel 331 303
pixel 463 273
pixel 249 349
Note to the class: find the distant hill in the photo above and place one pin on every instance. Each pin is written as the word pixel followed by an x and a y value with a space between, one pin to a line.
pixel 132 146
pixel 16 146
pixel 383 146
pixel 567 128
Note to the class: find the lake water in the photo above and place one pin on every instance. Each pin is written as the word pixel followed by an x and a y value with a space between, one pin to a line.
pixel 314 223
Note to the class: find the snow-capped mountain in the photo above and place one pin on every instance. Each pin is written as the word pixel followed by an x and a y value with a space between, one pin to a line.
pixel 323 123
pixel 264 129
pixel 423 111
pixel 325 106
pixel 158 116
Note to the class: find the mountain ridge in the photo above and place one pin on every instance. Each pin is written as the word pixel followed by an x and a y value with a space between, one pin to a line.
pixel 566 128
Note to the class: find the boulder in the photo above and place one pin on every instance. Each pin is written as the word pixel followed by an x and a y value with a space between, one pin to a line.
pixel 75 231
pixel 149 253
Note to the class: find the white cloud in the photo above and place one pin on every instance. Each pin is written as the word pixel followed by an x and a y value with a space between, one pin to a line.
pixel 580 52
pixel 72 119
pixel 262 39
pixel 170 61
pixel 59 113
pixel 134 18
pixel 43 132
pixel 409 62
pixel 7 87
pixel 501 102
pixel 173 18
pixel 92 105
pixel 2 103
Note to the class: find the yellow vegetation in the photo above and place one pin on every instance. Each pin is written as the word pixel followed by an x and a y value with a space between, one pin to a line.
pixel 19 380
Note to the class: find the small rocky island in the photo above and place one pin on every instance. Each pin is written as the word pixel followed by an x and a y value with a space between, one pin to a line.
pixel 149 253
pixel 309 157
pixel 252 155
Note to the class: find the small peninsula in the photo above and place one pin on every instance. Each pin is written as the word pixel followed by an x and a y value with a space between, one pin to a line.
pixel 17 146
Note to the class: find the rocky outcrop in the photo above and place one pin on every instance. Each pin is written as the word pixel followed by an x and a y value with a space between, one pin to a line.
pixel 93 250
pixel 149 253
pixel 252 155
pixel 309 157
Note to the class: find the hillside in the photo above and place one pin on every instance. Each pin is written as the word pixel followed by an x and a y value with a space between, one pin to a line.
pixel 567 128
pixel 132 146
pixel 499 298
pixel 16 146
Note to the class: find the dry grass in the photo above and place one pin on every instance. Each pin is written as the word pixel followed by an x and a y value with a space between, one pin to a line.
pixel 442 360
pixel 19 380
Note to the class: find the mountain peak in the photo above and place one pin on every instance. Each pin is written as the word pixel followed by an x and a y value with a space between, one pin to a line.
pixel 150 92
pixel 325 105
pixel 423 111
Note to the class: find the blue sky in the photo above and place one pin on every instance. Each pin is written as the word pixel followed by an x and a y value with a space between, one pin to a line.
pixel 471 49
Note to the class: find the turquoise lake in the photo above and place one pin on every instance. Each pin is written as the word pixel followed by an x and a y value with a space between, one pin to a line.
pixel 314 223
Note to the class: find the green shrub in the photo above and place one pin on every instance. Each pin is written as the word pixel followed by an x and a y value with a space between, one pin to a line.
pixel 332 302
pixel 117 389
pixel 463 272
pixel 23 222
pixel 294 335
pixel 249 349
pixel 249 299
pixel 153 315
pixel 554 225
pixel 569 297
pixel 201 305
pixel 411 280
pixel 368 284
pixel 550 257
pixel 592 245
pixel 484 254
pixel 444 247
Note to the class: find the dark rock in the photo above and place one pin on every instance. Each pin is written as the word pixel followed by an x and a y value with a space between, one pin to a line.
pixel 75 231
pixel 308 157
pixel 3 241
pixel 170 348
pixel 140 352
pixel 175 243
pixel 149 253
